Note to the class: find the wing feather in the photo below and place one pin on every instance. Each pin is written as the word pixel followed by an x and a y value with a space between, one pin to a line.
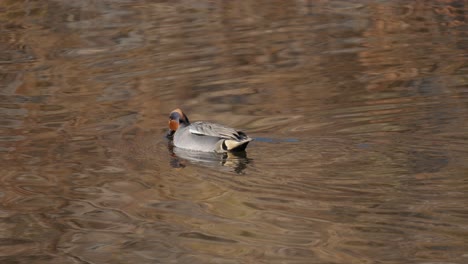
pixel 215 130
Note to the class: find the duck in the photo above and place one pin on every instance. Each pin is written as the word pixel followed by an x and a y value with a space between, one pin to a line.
pixel 204 136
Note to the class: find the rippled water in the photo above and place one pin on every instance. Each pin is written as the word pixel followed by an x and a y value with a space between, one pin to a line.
pixel 359 111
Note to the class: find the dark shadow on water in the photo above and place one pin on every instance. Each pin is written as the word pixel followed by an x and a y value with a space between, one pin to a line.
pixel 233 161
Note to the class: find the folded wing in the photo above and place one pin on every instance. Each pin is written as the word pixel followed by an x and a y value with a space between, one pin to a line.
pixel 216 130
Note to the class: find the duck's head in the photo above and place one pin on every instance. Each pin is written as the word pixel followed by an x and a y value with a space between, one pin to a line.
pixel 177 118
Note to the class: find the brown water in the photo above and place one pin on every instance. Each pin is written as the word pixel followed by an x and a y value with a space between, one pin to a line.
pixel 359 111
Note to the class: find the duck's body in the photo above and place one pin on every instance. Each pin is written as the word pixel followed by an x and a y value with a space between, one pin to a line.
pixel 205 136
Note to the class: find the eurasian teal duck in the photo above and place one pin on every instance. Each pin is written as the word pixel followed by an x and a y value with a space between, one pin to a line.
pixel 204 136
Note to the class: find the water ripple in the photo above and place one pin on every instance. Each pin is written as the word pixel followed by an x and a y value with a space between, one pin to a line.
pixel 358 111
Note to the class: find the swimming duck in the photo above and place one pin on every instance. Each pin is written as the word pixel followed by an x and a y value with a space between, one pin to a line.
pixel 204 136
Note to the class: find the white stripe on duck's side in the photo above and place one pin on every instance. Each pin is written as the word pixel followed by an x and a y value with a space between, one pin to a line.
pixel 205 136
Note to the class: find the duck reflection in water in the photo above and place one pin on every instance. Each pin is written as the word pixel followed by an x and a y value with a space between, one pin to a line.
pixel 233 161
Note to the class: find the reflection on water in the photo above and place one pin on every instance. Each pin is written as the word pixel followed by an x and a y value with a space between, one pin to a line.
pixel 358 110
pixel 236 161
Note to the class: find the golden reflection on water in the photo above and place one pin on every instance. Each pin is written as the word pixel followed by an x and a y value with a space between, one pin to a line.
pixel 358 111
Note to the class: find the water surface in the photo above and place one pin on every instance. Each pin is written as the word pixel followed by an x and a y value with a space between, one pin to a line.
pixel 358 109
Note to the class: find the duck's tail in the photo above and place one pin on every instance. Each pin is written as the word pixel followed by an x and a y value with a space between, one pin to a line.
pixel 237 145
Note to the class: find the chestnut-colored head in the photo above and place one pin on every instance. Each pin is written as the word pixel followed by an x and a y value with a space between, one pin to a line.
pixel 176 118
